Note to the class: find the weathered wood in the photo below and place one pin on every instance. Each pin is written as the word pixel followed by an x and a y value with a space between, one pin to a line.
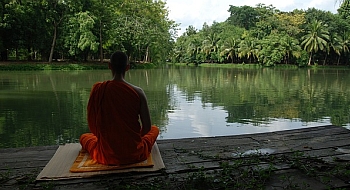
pixel 184 157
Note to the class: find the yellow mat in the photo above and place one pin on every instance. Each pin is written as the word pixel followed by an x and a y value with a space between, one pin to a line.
pixel 70 157
pixel 84 163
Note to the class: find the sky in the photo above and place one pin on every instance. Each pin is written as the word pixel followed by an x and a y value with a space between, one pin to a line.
pixel 196 12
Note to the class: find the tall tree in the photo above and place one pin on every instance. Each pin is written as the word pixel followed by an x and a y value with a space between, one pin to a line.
pixel 10 27
pixel 79 35
pixel 333 45
pixel 245 16
pixel 272 50
pixel 194 50
pixel 142 29
pixel 291 22
pixel 210 46
pixel 315 39
pixel 56 12
pixel 105 13
pixel 344 42
pixel 292 48
pixel 3 52
pixel 230 49
pixel 344 9
pixel 190 30
pixel 248 48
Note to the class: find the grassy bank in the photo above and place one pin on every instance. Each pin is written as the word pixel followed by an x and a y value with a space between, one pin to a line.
pixel 25 66
pixel 255 66
pixel 229 65
pixel 34 66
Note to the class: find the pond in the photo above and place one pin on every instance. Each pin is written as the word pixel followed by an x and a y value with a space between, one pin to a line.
pixel 49 107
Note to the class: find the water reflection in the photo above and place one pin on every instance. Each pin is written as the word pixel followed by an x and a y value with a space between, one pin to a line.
pixel 193 118
pixel 45 108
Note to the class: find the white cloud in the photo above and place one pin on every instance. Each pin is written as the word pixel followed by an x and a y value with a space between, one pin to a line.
pixel 196 12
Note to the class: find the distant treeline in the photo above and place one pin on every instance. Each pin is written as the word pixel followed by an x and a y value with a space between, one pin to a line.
pixel 267 36
pixel 85 30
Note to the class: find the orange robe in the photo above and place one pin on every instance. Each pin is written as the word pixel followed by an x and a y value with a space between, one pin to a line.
pixel 113 119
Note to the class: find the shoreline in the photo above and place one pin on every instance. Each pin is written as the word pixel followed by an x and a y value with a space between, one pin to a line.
pixel 39 66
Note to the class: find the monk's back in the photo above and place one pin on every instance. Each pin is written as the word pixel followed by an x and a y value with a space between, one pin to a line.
pixel 115 111
pixel 118 121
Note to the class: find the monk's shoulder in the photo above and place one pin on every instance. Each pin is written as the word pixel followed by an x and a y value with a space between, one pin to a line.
pixel 137 89
pixel 97 84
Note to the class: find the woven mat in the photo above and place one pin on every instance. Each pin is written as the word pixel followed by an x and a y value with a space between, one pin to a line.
pixel 70 162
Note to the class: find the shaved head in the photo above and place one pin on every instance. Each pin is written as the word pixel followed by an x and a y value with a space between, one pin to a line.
pixel 119 61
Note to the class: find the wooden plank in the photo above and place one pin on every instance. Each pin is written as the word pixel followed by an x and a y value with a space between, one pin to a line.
pixel 183 157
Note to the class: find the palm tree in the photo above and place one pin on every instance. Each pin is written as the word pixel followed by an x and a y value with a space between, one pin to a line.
pixel 292 48
pixel 315 39
pixel 334 43
pixel 344 43
pixel 248 48
pixel 340 1
pixel 230 49
pixel 343 10
pixel 194 50
pixel 210 44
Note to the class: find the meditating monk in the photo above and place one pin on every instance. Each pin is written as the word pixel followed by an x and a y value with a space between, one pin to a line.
pixel 118 119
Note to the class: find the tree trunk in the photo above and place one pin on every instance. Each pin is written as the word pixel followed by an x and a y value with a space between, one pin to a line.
pixel 310 59
pixel 29 56
pixel 146 56
pixel 53 43
pixel 16 54
pixel 101 49
pixel 4 56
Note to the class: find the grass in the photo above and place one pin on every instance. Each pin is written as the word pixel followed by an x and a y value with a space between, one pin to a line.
pixel 254 66
pixel 242 172
pixel 42 66
pixel 5 176
pixel 33 66
pixel 255 171
pixel 215 65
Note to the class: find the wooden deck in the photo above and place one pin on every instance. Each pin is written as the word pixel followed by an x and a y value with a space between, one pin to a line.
pixel 311 158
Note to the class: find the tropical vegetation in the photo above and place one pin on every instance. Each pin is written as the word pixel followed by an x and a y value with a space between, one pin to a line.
pixel 267 36
pixel 77 30
pixel 83 30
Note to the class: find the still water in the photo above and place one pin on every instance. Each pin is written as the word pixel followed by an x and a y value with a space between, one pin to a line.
pixel 49 107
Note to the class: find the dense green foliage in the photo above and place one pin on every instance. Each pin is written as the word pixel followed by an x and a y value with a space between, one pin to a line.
pixel 267 36
pixel 83 30
pixel 80 30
